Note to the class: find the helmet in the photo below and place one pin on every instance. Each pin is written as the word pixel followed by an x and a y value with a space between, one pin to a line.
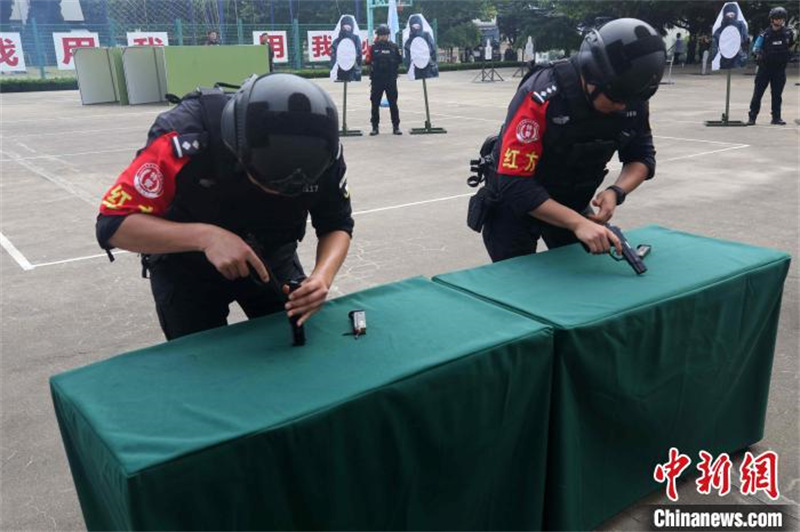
pixel 778 12
pixel 383 29
pixel 624 60
pixel 283 129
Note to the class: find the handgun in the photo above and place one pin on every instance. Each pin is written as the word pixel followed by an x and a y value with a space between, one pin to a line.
pixel 298 332
pixel 628 253
pixel 633 257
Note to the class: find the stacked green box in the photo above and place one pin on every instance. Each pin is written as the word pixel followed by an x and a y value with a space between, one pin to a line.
pixel 436 419
pixel 678 357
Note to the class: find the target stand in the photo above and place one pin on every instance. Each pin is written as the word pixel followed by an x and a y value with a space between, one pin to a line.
pixel 344 132
pixel 487 75
pixel 428 129
pixel 669 80
pixel 726 121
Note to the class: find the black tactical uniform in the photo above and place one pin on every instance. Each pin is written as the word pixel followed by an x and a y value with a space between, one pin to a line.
pixel 569 145
pixel 555 145
pixel 772 60
pixel 186 174
pixel 385 59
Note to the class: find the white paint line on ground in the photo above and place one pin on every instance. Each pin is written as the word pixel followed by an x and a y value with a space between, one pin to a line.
pixel 76 259
pixel 739 147
pixel 81 117
pixel 69 132
pixel 26 147
pixel 392 207
pixel 693 140
pixel 15 253
pixel 117 252
pixel 56 180
pixel 18 159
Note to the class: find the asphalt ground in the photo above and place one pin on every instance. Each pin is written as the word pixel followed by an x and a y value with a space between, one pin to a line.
pixel 64 305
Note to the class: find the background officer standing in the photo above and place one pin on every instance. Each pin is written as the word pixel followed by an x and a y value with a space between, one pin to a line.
pixel 223 174
pixel 772 54
pixel 384 58
pixel 563 126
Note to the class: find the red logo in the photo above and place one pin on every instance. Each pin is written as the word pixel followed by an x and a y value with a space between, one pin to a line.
pixel 527 131
pixel 149 181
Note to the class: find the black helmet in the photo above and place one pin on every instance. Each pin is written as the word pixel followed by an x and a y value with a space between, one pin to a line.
pixel 778 12
pixel 283 129
pixel 624 60
pixel 383 29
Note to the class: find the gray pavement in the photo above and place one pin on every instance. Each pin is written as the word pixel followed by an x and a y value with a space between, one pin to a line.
pixel 64 305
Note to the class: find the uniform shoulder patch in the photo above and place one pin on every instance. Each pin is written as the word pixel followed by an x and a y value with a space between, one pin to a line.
pixel 189 144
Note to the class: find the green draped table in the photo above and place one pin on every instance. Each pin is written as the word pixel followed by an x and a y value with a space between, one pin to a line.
pixel 436 419
pixel 678 357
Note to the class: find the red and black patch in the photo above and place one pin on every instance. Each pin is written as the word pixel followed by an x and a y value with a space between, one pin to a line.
pixel 148 184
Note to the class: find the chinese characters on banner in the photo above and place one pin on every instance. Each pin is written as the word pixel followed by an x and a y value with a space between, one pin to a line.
pixel 148 38
pixel 319 45
pixel 277 40
pixel 759 473
pixel 66 43
pixel 11 57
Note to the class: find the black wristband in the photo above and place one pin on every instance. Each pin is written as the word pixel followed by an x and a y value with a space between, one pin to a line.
pixel 621 194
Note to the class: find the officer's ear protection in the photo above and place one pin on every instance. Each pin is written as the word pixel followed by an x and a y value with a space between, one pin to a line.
pixel 234 116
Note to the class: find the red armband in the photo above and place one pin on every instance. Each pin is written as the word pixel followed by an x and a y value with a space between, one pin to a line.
pixel 148 184
pixel 521 146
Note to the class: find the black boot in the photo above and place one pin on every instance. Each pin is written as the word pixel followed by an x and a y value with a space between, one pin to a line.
pixel 374 131
pixel 751 119
pixel 777 121
pixel 396 130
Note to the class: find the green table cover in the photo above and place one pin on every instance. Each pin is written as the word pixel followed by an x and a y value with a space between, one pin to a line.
pixel 678 357
pixel 436 419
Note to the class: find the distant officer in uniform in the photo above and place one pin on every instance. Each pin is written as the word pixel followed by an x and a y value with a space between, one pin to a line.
pixel 772 53
pixel 212 38
pixel 563 126
pixel 224 185
pixel 385 58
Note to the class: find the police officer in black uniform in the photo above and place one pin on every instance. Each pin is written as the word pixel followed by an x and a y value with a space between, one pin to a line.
pixel 385 58
pixel 563 126
pixel 222 190
pixel 776 41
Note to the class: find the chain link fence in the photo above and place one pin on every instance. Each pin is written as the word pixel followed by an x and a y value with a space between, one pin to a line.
pixel 185 22
pixel 40 54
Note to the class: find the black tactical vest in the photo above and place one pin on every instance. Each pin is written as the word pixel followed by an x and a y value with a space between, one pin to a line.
pixel 384 60
pixel 776 47
pixel 579 142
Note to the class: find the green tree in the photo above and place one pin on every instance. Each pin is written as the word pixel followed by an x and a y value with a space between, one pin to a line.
pixel 545 22
pixel 462 35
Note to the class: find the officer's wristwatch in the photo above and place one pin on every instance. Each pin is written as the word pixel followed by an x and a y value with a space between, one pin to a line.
pixel 621 194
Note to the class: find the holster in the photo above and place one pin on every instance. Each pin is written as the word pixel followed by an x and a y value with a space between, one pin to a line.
pixel 480 205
